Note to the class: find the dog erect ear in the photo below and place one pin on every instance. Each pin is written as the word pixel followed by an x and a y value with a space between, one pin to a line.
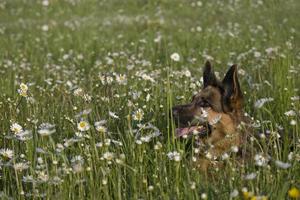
pixel 233 96
pixel 209 77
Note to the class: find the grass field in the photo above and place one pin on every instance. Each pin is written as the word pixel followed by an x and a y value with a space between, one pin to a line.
pixel 87 86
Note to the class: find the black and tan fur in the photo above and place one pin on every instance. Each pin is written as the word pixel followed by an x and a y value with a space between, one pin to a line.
pixel 218 98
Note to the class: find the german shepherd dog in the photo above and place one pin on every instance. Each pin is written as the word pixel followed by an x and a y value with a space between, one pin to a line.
pixel 215 114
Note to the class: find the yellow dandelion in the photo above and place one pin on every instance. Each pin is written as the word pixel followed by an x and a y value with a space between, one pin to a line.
pixel 248 195
pixel 294 193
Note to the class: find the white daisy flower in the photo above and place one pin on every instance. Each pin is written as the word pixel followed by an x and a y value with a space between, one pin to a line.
pixel 20 166
pixel 83 126
pixel 7 153
pixel 121 79
pixel 261 160
pixel 138 115
pixel 16 128
pixel 46 129
pixel 108 156
pixel 175 57
pixel 23 87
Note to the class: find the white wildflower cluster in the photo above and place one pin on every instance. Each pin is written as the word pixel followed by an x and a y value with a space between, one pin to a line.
pixel 19 133
pixel 100 109
pixel 146 133
pixel 106 79
pixel 79 92
pixel 292 114
pixel 260 102
pixel 261 160
pixel 174 155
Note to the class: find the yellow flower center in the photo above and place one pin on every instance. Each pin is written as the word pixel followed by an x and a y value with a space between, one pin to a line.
pixel 82 124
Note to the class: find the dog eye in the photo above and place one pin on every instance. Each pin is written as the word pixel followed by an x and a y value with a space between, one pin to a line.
pixel 203 103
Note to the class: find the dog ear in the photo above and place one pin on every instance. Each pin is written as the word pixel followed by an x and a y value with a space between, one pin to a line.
pixel 209 77
pixel 233 96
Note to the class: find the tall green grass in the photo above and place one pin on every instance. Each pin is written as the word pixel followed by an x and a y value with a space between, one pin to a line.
pixel 71 44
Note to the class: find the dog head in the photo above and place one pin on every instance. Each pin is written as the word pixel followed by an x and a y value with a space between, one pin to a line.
pixel 215 100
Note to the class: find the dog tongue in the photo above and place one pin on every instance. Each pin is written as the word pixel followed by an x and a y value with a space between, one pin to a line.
pixel 180 132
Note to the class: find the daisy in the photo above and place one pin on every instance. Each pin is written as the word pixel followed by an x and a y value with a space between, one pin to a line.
pixel 24 135
pixel 100 126
pixel 20 166
pixel 83 126
pixel 46 132
pixel 108 156
pixel 261 160
pixel 7 153
pixel 138 115
pixel 16 128
pixel 121 79
pixel 46 129
pixel 23 87
pixel 101 129
pixel 175 57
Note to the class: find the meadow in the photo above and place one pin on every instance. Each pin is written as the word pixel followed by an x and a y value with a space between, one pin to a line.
pixel 86 88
